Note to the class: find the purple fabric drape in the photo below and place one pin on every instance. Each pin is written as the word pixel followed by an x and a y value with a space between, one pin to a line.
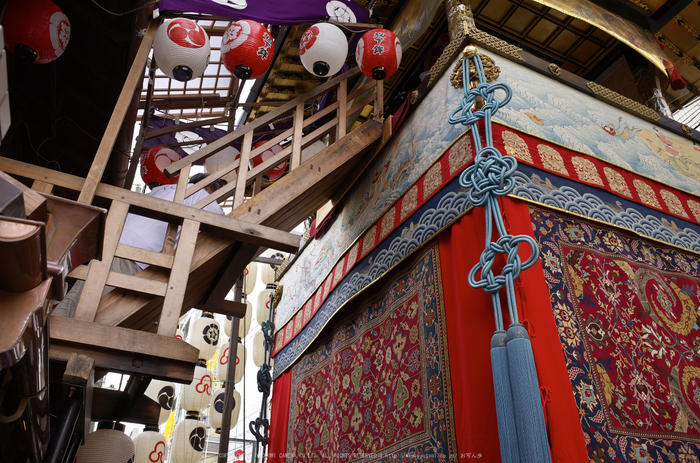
pixel 274 11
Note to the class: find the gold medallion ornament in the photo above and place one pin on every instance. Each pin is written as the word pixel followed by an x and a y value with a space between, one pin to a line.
pixel 554 69
pixel 491 71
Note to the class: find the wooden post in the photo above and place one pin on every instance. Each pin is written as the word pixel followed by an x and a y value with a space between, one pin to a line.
pixel 239 195
pixel 172 306
pixel 379 102
pixel 298 134
pixel 145 120
pixel 342 109
pixel 230 376
pixel 171 234
pixel 110 136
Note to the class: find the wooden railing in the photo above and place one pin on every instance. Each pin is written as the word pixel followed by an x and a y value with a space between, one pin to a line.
pixel 303 132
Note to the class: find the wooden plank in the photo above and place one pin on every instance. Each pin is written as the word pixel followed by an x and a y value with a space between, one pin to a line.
pixel 142 410
pixel 133 80
pixel 226 140
pixel 78 370
pixel 228 308
pixel 187 126
pixel 99 269
pixel 296 138
pixel 342 109
pixel 42 187
pixel 123 350
pixel 122 281
pixel 243 171
pixel 144 255
pixel 178 279
pixel 379 102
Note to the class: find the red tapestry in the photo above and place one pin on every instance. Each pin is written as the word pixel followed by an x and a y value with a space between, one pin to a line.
pixel 627 313
pixel 380 388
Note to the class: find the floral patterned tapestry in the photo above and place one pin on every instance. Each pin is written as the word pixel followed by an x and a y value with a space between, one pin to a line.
pixel 379 390
pixel 627 315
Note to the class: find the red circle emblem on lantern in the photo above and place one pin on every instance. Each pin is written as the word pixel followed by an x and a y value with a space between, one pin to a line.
pixel 247 49
pixel 378 54
pixel 154 163
pixel 275 173
pixel 308 39
pixel 36 31
pixel 186 33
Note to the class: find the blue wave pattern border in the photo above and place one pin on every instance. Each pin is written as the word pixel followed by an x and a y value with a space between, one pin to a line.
pixel 567 198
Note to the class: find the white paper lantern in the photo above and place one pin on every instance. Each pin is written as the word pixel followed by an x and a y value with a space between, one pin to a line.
pixel 195 396
pixel 180 335
pixel 268 271
pixel 224 360
pixel 243 323
pixel 181 49
pixel 221 159
pixel 204 335
pixel 107 446
pixel 164 393
pixel 323 49
pixel 150 446
pixel 216 412
pixel 262 311
pixel 189 439
pixel 259 349
pixel 250 277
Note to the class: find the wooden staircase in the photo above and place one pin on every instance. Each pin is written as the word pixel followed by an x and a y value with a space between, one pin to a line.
pixel 214 250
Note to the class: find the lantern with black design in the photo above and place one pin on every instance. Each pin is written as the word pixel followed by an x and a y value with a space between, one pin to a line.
pixel 189 435
pixel 36 31
pixel 323 49
pixel 378 54
pixel 181 49
pixel 216 412
pixel 163 393
pixel 225 359
pixel 150 446
pixel 247 49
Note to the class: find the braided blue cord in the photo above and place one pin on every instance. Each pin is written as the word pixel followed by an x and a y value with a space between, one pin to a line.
pixel 489 177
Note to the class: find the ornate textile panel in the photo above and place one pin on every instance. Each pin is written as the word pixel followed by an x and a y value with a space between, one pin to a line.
pixel 626 312
pixel 380 388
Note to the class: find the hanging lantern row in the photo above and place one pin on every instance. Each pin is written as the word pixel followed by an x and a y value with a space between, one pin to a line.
pixel 323 49
pixel 36 31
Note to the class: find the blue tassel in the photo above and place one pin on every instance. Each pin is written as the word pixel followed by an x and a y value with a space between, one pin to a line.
pixel 507 434
pixel 529 418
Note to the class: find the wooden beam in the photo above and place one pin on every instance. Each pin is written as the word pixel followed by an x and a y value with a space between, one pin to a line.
pixel 34 203
pixel 133 80
pixel 164 210
pixel 141 410
pixel 123 350
pixel 666 12
pixel 228 308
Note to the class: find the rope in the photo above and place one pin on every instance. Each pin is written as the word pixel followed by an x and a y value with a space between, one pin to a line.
pixel 521 428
